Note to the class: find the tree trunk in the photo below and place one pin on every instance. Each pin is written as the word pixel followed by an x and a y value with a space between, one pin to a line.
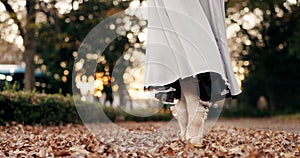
pixel 29 53
pixel 29 43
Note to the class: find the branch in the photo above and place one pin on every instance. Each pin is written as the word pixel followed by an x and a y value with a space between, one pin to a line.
pixel 50 13
pixel 13 15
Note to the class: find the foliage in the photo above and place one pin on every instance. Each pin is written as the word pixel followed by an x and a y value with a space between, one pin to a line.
pixel 272 51
pixel 52 36
pixel 155 139
pixel 295 116
pixel 35 108
pixel 53 109
pixel 244 110
pixel 9 53
pixel 70 30
pixel 27 29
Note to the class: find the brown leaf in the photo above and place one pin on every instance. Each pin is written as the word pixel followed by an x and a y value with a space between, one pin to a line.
pixel 62 153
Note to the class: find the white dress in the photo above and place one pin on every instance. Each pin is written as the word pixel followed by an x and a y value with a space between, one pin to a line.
pixel 186 38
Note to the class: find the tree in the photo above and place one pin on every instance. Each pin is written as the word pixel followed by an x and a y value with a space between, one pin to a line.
pixel 28 26
pixel 271 49
pixel 58 34
pixel 70 30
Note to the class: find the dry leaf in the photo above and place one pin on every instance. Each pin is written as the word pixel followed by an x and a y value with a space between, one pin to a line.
pixel 17 140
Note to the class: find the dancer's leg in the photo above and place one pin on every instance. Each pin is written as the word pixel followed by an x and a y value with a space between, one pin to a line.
pixel 197 113
pixel 179 111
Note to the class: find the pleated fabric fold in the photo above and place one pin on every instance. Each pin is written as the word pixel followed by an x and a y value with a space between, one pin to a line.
pixel 187 38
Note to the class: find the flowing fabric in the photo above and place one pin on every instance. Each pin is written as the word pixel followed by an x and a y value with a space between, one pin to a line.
pixel 187 38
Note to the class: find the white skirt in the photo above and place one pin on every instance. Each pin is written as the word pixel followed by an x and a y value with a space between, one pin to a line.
pixel 187 38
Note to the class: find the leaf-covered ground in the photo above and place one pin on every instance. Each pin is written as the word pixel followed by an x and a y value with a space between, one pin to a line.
pixel 229 138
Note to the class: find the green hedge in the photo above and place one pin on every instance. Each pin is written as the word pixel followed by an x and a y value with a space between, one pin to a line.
pixel 52 109
pixel 244 110
pixel 36 108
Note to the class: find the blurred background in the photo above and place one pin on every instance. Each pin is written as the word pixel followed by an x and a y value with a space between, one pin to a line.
pixel 39 40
